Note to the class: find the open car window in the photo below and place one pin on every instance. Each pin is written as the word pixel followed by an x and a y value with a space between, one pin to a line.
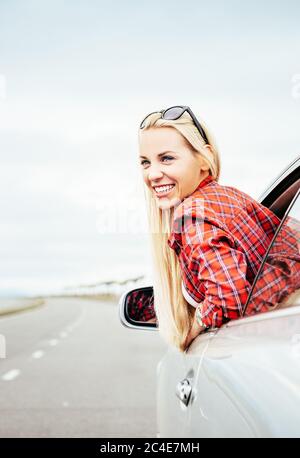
pixel 277 283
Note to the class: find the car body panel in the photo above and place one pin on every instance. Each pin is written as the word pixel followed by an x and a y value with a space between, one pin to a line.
pixel 173 415
pixel 250 379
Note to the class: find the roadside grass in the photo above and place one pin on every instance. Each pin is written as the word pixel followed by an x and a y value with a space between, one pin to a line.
pixel 23 306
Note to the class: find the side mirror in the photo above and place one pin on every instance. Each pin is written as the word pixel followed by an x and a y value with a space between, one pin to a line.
pixel 136 308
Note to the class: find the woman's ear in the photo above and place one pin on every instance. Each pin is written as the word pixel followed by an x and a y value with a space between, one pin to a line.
pixel 205 166
pixel 208 147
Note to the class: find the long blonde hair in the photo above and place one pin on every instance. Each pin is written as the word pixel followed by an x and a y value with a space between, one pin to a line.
pixel 173 312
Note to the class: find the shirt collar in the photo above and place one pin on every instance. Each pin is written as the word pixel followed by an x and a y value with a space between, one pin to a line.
pixel 204 182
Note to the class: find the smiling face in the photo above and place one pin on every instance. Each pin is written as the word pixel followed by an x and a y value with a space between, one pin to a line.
pixel 171 169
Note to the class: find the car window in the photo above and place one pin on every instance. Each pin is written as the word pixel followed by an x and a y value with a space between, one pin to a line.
pixel 277 283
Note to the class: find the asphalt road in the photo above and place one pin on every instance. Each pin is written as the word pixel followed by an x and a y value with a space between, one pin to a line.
pixel 72 370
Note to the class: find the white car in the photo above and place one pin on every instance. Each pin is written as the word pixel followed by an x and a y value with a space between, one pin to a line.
pixel 243 379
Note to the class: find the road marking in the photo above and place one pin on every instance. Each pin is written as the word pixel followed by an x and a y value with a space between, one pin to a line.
pixel 37 354
pixel 53 342
pixel 11 375
pixel 78 321
pixel 63 335
pixel 65 404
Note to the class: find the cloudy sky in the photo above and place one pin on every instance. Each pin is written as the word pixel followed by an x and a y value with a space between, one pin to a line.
pixel 76 78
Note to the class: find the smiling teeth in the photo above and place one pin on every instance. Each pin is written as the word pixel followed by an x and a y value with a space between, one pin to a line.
pixel 163 188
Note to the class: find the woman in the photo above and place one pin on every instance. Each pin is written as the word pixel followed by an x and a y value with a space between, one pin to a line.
pixel 208 240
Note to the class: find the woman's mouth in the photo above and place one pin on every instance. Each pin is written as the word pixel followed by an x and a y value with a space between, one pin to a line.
pixel 162 191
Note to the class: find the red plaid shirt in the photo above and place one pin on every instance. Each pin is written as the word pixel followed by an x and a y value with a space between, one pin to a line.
pixel 221 236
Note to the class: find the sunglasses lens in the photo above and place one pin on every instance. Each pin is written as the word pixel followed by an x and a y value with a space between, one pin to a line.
pixel 173 113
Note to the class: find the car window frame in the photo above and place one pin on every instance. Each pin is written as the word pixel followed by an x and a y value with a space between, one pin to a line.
pixel 282 222
pixel 286 179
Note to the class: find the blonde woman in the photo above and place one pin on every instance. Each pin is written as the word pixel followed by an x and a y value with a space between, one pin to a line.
pixel 207 240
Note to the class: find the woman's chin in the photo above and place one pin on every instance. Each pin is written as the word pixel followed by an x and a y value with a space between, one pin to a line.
pixel 164 203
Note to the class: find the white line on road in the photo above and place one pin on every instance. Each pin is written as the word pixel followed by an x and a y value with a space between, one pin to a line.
pixel 11 375
pixel 63 335
pixel 37 354
pixel 78 321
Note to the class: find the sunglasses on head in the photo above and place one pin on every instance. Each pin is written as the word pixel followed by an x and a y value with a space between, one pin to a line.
pixel 174 113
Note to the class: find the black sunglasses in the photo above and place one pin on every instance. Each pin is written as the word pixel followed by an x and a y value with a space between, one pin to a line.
pixel 173 113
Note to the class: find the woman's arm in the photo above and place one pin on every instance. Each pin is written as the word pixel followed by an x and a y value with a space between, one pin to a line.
pixel 216 264
pixel 196 328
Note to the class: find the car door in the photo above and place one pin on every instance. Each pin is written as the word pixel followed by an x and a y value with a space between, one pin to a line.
pixel 176 376
pixel 248 380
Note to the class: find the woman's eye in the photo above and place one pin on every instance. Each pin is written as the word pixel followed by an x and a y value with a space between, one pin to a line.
pixel 168 157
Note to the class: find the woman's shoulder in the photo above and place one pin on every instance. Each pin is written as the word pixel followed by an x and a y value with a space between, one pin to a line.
pixel 224 207
pixel 214 191
pixel 213 201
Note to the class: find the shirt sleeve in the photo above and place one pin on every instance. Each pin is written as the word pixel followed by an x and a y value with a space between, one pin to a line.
pixel 219 268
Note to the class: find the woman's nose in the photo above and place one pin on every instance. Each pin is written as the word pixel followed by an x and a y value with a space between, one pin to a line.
pixel 154 173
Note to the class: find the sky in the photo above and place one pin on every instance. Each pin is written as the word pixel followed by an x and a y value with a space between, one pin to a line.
pixel 77 77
